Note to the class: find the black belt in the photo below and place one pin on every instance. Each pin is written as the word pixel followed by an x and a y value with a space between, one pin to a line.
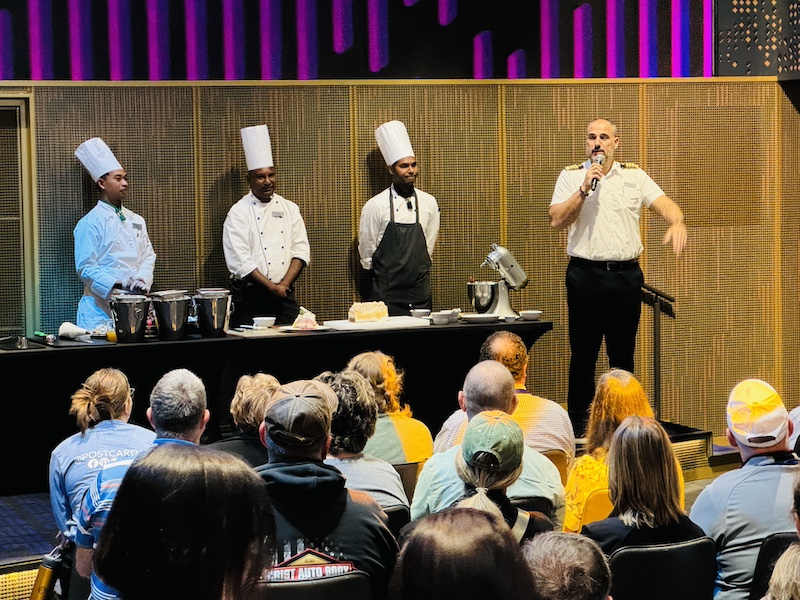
pixel 605 265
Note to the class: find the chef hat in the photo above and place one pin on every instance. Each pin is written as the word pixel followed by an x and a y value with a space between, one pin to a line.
pixel 257 147
pixel 393 141
pixel 97 158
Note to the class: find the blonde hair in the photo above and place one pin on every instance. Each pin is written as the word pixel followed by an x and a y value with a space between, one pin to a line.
pixel 103 396
pixel 643 480
pixel 384 376
pixel 784 584
pixel 250 400
pixel 484 480
pixel 618 395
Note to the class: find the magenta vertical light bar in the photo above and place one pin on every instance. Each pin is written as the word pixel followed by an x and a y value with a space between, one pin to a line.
pixel 40 38
pixel 448 11
pixel 482 55
pixel 549 38
pixel 680 38
pixel 271 39
pixel 648 39
pixel 615 38
pixel 378 34
pixel 307 59
pixel 79 22
pixel 6 46
pixel 157 39
pixel 516 65
pixel 196 23
pixel 342 25
pixel 709 58
pixel 120 45
pixel 233 39
pixel 582 41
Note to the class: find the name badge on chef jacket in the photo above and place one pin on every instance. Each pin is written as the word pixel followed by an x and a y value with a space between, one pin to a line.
pixel 278 214
pixel 137 226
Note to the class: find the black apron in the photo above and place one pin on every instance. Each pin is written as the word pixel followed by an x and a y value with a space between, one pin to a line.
pixel 401 265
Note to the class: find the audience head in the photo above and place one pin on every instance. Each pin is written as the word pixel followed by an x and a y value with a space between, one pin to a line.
pixel 188 521
pixel 490 457
pixel 507 348
pixel 353 423
pixel 386 379
pixel 457 553
pixel 784 583
pixel 106 394
pixel 487 386
pixel 297 423
pixel 250 400
pixel 178 406
pixel 618 395
pixel 567 566
pixel 643 480
pixel 757 419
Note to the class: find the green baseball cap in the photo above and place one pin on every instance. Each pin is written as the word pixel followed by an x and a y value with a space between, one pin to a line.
pixel 494 441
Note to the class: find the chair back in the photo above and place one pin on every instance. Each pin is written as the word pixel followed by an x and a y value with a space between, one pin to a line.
pixel 354 585
pixel 771 549
pixel 399 516
pixel 559 459
pixel 598 506
pixel 409 472
pixel 684 570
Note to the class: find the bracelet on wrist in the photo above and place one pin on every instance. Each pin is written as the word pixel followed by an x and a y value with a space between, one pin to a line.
pixel 582 193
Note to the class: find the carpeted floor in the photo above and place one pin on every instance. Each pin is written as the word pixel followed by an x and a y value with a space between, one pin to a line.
pixel 27 525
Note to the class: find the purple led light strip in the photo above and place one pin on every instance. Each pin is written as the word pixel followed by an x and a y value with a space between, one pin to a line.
pixel 342 12
pixel 680 38
pixel 6 46
pixel 40 38
pixel 196 40
pixel 233 39
pixel 80 39
pixel 516 65
pixel 708 38
pixel 482 55
pixel 377 34
pixel 271 39
pixel 548 35
pixel 648 60
pixel 447 12
pixel 582 41
pixel 615 38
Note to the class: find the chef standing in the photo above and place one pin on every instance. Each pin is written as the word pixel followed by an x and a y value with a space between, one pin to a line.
pixel 398 228
pixel 264 240
pixel 113 252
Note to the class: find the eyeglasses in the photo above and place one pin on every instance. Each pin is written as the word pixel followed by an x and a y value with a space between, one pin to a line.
pixel 133 391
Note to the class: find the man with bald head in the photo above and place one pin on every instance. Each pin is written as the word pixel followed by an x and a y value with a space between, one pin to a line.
pixel 489 385
pixel 599 202
pixel 546 425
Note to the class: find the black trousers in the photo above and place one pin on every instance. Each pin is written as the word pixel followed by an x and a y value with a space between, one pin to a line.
pixel 255 301
pixel 602 304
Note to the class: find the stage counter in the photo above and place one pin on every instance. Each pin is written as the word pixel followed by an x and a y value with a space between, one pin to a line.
pixel 40 380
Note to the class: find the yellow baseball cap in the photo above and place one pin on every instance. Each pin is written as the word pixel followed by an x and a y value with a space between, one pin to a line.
pixel 756 414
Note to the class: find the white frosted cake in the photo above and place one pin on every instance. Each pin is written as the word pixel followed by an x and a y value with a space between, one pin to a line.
pixel 361 312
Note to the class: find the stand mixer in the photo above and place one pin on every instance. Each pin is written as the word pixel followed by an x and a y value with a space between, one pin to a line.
pixel 491 297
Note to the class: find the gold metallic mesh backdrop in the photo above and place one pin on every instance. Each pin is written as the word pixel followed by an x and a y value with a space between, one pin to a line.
pixel 490 152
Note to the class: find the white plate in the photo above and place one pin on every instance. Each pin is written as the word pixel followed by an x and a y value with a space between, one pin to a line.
pixel 479 318
pixel 290 328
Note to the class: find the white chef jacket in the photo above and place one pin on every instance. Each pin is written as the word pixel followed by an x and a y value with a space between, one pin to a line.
pixel 607 227
pixel 264 236
pixel 375 218
pixel 108 251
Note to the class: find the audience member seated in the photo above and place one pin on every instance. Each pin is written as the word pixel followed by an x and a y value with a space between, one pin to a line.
pixel 179 415
pixel 187 522
pixel 101 407
pixel 785 581
pixel 545 423
pixel 643 484
pixel 352 425
pixel 618 395
pixel 398 437
pixel 247 410
pixel 461 553
pixel 487 386
pixel 742 507
pixel 489 462
pixel 319 523
pixel 566 566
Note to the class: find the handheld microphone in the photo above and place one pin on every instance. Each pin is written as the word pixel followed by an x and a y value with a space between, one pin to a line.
pixel 599 159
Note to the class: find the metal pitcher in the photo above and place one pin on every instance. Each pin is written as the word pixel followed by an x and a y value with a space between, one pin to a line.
pixel 213 308
pixel 130 312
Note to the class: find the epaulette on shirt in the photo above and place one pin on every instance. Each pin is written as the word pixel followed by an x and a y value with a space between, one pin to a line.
pixel 574 167
pixel 629 165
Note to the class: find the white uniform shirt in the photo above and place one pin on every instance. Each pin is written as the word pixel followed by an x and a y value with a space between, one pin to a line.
pixel 264 236
pixel 375 218
pixel 107 251
pixel 607 227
